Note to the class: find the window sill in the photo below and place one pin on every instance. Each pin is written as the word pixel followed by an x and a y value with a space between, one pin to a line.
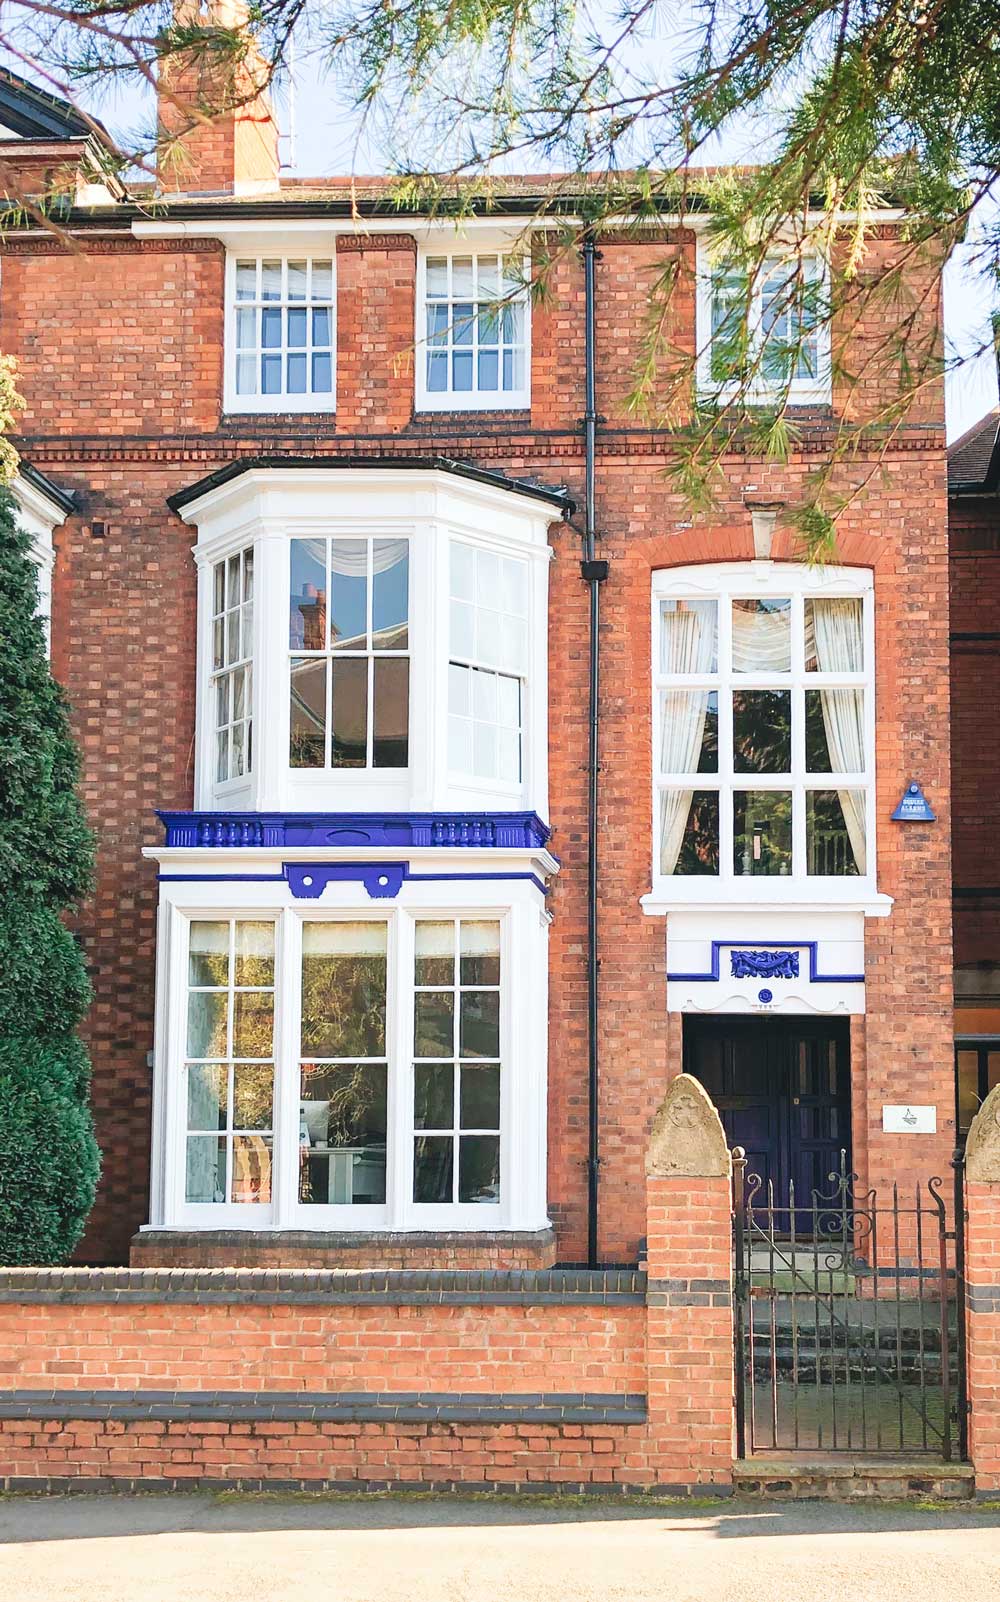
pixel 451 403
pixel 275 408
pixel 798 898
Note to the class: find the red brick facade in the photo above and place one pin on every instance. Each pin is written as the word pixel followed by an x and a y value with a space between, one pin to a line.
pixel 120 346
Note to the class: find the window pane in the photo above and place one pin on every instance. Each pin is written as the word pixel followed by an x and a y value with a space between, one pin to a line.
pixel 762 731
pixel 297 375
pixel 246 280
pixel 298 325
pixel 390 747
pixel 251 1169
pixel 307 733
pixel 835 731
pixel 390 595
pixel 484 751
pixel 321 326
pixel 479 947
pixel 461 371
pixel 208 953
pixel 343 989
pixel 307 599
pixel 463 628
pixel 437 372
pixel 835 832
pixel 834 635
pixel 342 1135
pixel 246 328
pixel 480 1023
pixel 349 747
pixel 296 280
pixel 689 832
pixel 462 278
pixel 437 275
pixel 253 1091
pixel 479 1169
pixel 205 1169
pixel 253 1023
pixel 349 599
pixel 434 1023
pixel 762 636
pixel 480 1098
pixel 207 1026
pixel 433 1159
pixel 246 375
pixel 762 832
pixel 322 375
pixel 322 280
pixel 207 1095
pixel 270 328
pixel 270 280
pixel 254 953
pixel 433 1095
pixel 967 1073
pixel 689 731
pixel 270 375
pixel 689 632
pixel 434 954
pixel 488 370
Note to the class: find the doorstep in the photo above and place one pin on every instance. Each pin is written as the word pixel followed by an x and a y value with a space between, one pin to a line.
pixel 243 1248
pixel 827 1477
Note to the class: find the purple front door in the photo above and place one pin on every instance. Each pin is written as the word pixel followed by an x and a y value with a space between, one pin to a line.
pixel 782 1087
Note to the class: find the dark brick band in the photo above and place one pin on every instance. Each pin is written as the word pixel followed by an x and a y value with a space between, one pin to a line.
pixel 394 1287
pixel 342 1407
pixel 983 1298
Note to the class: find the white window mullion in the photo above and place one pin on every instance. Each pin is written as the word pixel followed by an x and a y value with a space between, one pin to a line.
pixel 399 1044
pixel 288 1011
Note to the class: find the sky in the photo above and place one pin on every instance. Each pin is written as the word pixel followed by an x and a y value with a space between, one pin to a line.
pixel 322 134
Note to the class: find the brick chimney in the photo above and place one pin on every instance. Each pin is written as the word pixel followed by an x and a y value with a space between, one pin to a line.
pixel 235 151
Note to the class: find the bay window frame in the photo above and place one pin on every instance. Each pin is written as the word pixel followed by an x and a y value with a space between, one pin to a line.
pixel 723 583
pixel 523 1014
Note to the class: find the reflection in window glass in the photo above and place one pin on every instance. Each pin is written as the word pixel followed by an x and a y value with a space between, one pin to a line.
pixel 229 1098
pixel 349 667
pixel 762 832
pixel 344 1069
pixel 762 731
pixel 456 1108
pixel 689 832
pixel 835 832
pixel 488 666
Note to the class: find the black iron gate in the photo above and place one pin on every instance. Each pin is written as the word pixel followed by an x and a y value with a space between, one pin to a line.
pixel 847 1319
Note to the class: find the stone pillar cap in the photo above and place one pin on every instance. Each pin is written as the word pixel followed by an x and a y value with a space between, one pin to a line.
pixel 687 1138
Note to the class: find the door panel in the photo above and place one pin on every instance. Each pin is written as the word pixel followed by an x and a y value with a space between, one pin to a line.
pixel 782 1088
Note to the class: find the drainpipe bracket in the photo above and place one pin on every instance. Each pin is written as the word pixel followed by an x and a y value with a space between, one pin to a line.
pixel 594 572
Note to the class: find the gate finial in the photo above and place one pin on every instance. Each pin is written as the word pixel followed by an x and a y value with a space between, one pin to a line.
pixel 687 1138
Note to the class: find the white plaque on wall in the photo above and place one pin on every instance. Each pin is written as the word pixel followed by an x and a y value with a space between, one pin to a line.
pixel 909 1120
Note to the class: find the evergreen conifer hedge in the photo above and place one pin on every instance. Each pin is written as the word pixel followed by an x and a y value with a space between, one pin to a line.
pixel 49 1160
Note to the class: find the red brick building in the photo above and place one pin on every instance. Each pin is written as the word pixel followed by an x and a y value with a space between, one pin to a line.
pixel 317 511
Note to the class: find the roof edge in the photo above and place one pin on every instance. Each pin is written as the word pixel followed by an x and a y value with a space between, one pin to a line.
pixel 66 500
pixel 560 498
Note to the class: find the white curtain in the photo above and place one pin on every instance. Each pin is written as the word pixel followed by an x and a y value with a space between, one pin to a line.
pixel 688 645
pixel 349 558
pixel 835 626
pixel 761 640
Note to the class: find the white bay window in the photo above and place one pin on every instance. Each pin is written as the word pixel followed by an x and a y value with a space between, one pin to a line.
pixel 371 639
pixel 763 731
pixel 351 1066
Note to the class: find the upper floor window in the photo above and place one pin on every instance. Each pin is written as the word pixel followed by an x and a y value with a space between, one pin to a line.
pixel 232 664
pixel 487 664
pixel 349 670
pixel 280 344
pixel 768 334
pixel 764 725
pixel 473 317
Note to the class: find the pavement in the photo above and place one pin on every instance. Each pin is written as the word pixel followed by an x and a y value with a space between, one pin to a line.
pixel 200 1548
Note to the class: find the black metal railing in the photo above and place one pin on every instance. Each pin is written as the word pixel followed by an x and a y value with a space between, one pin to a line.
pixel 848 1335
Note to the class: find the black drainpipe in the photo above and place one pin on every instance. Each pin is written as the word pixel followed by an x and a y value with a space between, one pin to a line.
pixel 593 572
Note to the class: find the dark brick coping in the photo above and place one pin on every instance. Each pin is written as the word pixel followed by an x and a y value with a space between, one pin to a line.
pixel 129 1485
pixel 276 1407
pixel 400 1287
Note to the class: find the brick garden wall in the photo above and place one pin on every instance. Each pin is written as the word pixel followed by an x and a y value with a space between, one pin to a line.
pixel 121 353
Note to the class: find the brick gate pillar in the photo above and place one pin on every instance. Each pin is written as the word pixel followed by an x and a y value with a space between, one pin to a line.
pixel 689 1334
pixel 982 1278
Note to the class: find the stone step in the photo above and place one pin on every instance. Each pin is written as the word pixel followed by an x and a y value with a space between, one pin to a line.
pixel 826 1477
